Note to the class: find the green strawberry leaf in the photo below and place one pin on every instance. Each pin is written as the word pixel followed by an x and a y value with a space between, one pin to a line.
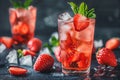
pixel 74 7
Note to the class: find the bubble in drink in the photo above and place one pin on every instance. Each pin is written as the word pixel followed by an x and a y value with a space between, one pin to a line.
pixel 12 57
pixel 26 60
pixel 64 16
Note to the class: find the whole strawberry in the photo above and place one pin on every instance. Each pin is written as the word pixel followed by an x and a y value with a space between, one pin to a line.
pixel 113 43
pixel 43 63
pixel 106 57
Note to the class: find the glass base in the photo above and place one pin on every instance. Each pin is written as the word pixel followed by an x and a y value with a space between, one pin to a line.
pixel 73 72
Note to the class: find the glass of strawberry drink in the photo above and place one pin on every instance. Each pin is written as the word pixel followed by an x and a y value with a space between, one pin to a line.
pixel 22 20
pixel 76 36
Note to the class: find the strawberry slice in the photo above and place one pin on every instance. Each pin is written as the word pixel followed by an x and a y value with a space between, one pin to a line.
pixel 28 52
pixel 43 63
pixel 24 29
pixel 106 57
pixel 8 41
pixel 113 43
pixel 13 16
pixel 80 22
pixel 17 71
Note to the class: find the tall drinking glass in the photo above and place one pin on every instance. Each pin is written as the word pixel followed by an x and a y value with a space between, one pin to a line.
pixel 76 46
pixel 22 23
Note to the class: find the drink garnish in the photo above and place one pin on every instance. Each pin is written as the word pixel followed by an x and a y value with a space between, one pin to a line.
pixel 21 4
pixel 82 9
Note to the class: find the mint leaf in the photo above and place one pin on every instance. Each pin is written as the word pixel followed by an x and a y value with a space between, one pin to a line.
pixel 27 3
pixel 15 4
pixel 20 53
pixel 91 13
pixel 74 7
pixel 83 9
pixel 48 46
pixel 20 4
pixel 54 41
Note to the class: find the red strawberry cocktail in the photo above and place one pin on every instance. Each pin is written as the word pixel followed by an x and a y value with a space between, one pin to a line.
pixel 22 22
pixel 76 35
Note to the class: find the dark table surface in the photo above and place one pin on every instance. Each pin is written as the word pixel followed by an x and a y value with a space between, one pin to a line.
pixel 107 73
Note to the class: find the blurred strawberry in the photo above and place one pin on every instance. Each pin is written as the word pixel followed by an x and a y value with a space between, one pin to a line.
pixel 17 71
pixel 34 44
pixel 106 57
pixel 43 63
pixel 28 52
pixel 113 43
pixel 80 22
pixel 8 41
pixel 18 38
pixel 20 28
pixel 13 16
pixel 24 28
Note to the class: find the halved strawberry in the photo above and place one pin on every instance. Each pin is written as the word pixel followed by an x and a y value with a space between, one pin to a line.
pixel 28 52
pixel 106 57
pixel 43 63
pixel 80 22
pixel 8 41
pixel 17 71
pixel 24 28
pixel 113 43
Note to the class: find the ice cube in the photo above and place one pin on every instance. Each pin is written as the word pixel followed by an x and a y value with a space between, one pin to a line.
pixel 2 47
pixel 64 16
pixel 58 74
pixel 26 60
pixel 12 57
pixel 98 43
pixel 45 50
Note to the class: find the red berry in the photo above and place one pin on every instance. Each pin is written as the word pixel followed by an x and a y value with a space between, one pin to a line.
pixel 13 16
pixel 113 43
pixel 8 41
pixel 24 28
pixel 43 63
pixel 28 52
pixel 106 57
pixel 80 22
pixel 17 71
pixel 34 44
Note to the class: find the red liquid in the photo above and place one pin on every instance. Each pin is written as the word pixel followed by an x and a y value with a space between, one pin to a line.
pixel 22 23
pixel 76 46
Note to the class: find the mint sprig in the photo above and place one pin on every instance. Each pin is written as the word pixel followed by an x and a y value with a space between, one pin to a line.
pixel 82 9
pixel 53 42
pixel 20 4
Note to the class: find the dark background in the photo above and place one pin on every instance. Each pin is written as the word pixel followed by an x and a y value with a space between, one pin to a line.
pixel 107 21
